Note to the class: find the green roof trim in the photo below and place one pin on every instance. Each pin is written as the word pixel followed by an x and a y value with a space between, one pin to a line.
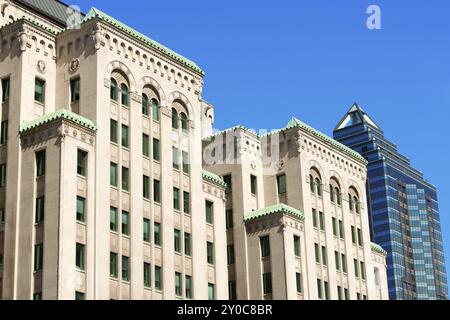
pixel 214 178
pixel 95 13
pixel 32 22
pixel 296 123
pixel 278 208
pixel 58 114
pixel 377 248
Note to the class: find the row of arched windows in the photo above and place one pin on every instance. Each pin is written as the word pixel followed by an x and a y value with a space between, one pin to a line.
pixel 315 184
pixel 122 90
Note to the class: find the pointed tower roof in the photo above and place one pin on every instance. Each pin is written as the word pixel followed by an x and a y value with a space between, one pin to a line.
pixel 356 115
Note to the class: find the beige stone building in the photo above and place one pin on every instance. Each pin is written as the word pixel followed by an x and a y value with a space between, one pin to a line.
pixel 296 217
pixel 104 192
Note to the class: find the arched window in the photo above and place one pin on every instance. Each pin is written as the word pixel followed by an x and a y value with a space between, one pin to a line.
pixel 356 202
pixel 174 118
pixel 144 104
pixel 338 195
pixel 318 187
pixel 184 121
pixel 311 183
pixel 124 94
pixel 155 111
pixel 331 193
pixel 113 89
pixel 350 202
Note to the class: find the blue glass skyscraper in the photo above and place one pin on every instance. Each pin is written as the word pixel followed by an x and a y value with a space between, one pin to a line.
pixel 403 210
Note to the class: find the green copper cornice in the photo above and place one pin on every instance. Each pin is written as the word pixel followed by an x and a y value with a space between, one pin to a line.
pixel 377 248
pixel 95 13
pixel 278 208
pixel 58 114
pixel 214 178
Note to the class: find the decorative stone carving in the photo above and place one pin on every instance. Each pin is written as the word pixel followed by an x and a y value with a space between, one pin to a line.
pixel 166 112
pixel 41 67
pixel 74 65
pixel 97 36
pixel 279 164
pixel 23 38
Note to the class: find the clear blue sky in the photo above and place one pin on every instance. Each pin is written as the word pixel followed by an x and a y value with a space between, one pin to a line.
pixel 266 61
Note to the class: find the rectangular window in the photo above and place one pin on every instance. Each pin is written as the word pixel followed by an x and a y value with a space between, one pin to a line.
pixel 344 263
pixel 232 295
pixel 337 260
pixel 353 235
pixel 324 256
pixel 81 204
pixel 113 219
pixel 176 199
pixel 40 163
pixel 145 145
pixel 297 246
pixel 187 244
pixel 227 180
pixel 265 246
pixel 80 256
pixel 339 292
pixel 267 283
pixel 157 191
pixel 156 150
pixel 146 236
pixel 281 184
pixel 229 218
pixel 317 253
pixel 39 90
pixel 2 175
pixel 319 289
pixel 346 294
pixel 186 202
pixel 298 280
pixel 360 238
pixel 158 278
pixel 125 268
pixel 113 174
pixel 37 296
pixel 188 286
pixel 209 211
pixel 363 270
pixel 175 158
pixel 178 284
pixel 356 267
pixel 4 132
pixel 146 187
pixel 186 167
pixel 253 185
pixel 38 257
pixel 40 209
pixel 125 184
pixel 5 89
pixel 333 222
pixel 157 233
pixel 80 296
pixel 82 162
pixel 211 292
pixel 125 223
pixel 321 221
pixel 314 216
pixel 230 254
pixel 125 137
pixel 2 219
pixel 327 290
pixel 74 90
pixel 177 240
pixel 147 275
pixel 113 265
pixel 113 130
pixel 210 252
pixel 341 229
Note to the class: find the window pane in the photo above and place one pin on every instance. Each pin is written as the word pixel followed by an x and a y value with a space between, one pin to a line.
pixel 186 202
pixel 125 223
pixel 174 119
pixel 228 181
pixel 177 241
pixel 144 104
pixel 113 130
pixel 176 199
pixel 113 219
pixel 157 191
pixel 146 187
pixel 2 175
pixel 184 121
pixel 230 254
pixel 145 145
pixel 229 218
pixel 113 90
pixel 209 211
pixel 147 275
pixel 157 233
pixel 186 161
pixel 39 91
pixel 158 278
pixel 38 257
pixel 81 162
pixel 265 246
pixel 298 279
pixel 74 90
pixel 40 207
pixel 80 256
pixel 281 183
pixel 211 292
pixel 124 94
pixel 188 286
pixel 297 246
pixel 4 132
pixel 113 265
pixel 267 283
pixel 321 220
pixel 156 150
pixel 177 283
pixel 125 268
pixel 125 185
pixel 40 163
pixel 113 174
pixel 125 137
pixel 146 230
pixel 80 208
pixel 253 184
pixel 210 252
pixel 5 89
pixel 187 244
pixel 175 158
pixel 155 111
